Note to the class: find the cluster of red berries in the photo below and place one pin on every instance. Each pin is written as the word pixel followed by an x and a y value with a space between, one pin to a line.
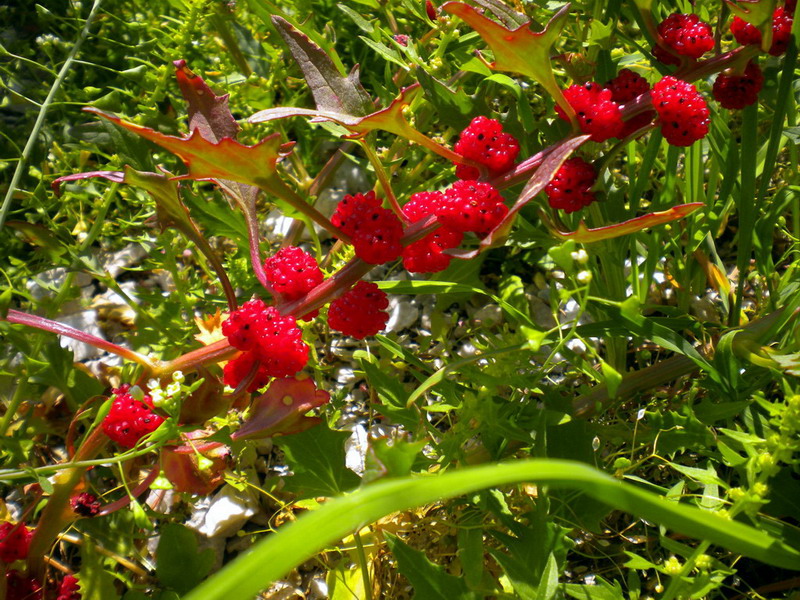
pixel 749 35
pixel 427 255
pixel 595 109
pixel 571 188
pixel 359 312
pixel 735 91
pixel 485 142
pixel 130 419
pixel 85 504
pixel 291 273
pixel 272 344
pixel 15 540
pixel 686 35
pixel 374 230
pixel 20 586
pixel 682 111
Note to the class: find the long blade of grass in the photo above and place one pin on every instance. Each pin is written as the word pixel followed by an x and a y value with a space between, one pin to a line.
pixel 22 163
pixel 294 543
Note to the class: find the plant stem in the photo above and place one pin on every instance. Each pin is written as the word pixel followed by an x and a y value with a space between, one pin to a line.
pixel 22 163
pixel 362 559
pixel 20 318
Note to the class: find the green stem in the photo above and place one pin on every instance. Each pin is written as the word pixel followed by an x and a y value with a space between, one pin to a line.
pixel 37 126
pixel 362 559
pixel 383 178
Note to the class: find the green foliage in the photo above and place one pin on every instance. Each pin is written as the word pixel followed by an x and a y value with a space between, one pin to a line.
pixel 583 385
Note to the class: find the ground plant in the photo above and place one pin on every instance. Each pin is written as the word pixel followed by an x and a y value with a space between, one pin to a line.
pixel 399 299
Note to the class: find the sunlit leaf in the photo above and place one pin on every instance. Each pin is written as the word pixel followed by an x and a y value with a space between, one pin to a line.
pixel 585 235
pixel 519 50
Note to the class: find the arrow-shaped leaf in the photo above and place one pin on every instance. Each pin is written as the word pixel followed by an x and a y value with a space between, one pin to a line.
pixel 389 119
pixel 332 91
pixel 519 50
pixel 209 160
pixel 585 235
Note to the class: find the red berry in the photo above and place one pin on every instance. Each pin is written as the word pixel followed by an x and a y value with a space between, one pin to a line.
pixel 665 57
pixel 485 142
pixel 375 231
pixel 686 34
pixel 270 338
pixel 597 113
pixel 22 587
pixel 69 589
pixel 241 326
pixel 471 206
pixel 237 369
pixel 426 255
pixel 682 111
pixel 292 272
pixel 749 35
pixel 129 419
pixel 626 86
pixel 360 311
pixel 571 187
pixel 737 91
pixel 14 541
pixel 85 504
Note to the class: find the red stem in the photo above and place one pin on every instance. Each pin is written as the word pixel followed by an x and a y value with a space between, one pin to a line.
pixel 20 318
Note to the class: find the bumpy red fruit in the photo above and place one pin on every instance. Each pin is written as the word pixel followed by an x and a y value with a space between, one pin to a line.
pixel 597 113
pixel 22 587
pixel 484 141
pixel 15 539
pixel 665 57
pixel 471 206
pixel 129 419
pixel 571 187
pixel 242 325
pixel 737 91
pixel 749 35
pixel 374 230
pixel 426 255
pixel 682 111
pixel 85 504
pixel 686 34
pixel 69 589
pixel 360 312
pixel 626 86
pixel 292 272
pixel 236 370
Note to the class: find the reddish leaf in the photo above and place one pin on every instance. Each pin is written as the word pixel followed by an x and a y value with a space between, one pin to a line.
pixel 115 176
pixel 332 91
pixel 282 409
pixel 208 113
pixel 519 50
pixel 541 177
pixel 181 468
pixel 585 235
pixel 207 160
pixel 389 119
pixel 508 16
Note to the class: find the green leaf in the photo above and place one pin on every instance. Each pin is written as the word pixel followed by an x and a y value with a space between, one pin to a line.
pixel 453 107
pixel 430 581
pixel 332 91
pixel 178 563
pixel 317 459
pixel 95 579
pixel 276 554
pixel 548 584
